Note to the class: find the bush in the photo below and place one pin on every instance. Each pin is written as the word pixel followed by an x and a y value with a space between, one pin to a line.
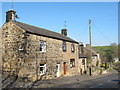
pixel 104 65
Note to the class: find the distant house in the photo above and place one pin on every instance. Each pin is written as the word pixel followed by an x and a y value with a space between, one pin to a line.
pixel 82 59
pixel 96 60
pixel 116 59
pixel 33 52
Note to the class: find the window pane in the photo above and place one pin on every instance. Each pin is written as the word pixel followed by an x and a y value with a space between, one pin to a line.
pixel 40 49
pixel 42 46
pixel 41 42
pixel 64 46
pixel 72 62
pixel 72 47
pixel 42 69
pixel 41 64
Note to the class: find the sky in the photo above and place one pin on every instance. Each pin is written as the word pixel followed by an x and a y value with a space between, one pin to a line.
pixel 52 15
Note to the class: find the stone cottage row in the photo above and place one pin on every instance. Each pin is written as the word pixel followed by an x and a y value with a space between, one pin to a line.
pixel 36 53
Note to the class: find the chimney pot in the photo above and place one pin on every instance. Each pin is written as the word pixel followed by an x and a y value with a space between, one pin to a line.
pixel 10 15
pixel 88 46
pixel 81 47
pixel 64 32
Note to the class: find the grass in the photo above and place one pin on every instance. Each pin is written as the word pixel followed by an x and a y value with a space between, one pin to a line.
pixel 98 48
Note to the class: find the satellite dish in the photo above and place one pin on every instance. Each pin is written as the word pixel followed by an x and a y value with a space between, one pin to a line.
pixel 16 16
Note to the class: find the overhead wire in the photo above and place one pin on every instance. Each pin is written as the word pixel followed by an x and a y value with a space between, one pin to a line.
pixel 101 33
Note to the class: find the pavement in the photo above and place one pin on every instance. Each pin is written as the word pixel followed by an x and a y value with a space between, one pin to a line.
pixel 15 82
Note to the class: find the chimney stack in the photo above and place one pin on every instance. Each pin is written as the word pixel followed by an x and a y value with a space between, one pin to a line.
pixel 81 48
pixel 88 46
pixel 64 32
pixel 10 15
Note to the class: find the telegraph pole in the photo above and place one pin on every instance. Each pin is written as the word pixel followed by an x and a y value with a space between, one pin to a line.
pixel 12 4
pixel 90 38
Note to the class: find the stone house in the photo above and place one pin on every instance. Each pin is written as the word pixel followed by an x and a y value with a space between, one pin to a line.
pixel 37 53
pixel 82 59
pixel 96 60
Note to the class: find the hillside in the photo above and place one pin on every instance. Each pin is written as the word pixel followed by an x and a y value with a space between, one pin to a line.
pixel 107 53
pixel 103 48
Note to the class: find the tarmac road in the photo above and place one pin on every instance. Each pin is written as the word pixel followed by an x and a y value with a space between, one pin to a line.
pixel 109 81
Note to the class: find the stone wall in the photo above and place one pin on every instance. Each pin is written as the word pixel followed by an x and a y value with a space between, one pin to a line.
pixel 83 67
pixel 34 57
pixel 96 61
pixel 1 54
pixel 12 38
pixel 71 55
pixel 21 54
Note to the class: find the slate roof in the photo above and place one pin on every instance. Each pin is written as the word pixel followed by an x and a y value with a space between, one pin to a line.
pixel 82 56
pixel 43 32
pixel 94 53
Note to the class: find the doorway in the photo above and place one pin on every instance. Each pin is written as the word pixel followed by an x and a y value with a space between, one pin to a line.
pixel 64 66
pixel 58 70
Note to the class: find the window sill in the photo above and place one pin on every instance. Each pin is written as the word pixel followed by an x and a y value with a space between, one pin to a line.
pixel 42 51
pixel 42 74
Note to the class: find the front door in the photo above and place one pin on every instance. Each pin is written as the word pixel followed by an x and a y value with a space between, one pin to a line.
pixel 58 70
pixel 64 66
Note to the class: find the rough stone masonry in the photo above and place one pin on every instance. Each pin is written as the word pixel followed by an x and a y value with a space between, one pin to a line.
pixel 21 52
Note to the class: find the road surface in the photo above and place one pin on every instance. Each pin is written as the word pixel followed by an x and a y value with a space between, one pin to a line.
pixel 109 81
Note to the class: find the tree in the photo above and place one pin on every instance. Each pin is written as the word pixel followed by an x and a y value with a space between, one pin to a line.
pixel 114 50
pixel 108 56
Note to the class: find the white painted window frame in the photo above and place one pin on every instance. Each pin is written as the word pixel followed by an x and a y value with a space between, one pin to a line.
pixel 72 47
pixel 71 63
pixel 64 46
pixel 43 47
pixel 44 70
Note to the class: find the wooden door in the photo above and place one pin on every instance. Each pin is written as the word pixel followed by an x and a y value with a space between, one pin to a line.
pixel 64 66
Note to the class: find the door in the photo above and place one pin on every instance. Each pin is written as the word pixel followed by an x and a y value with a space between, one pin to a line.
pixel 64 66
pixel 58 70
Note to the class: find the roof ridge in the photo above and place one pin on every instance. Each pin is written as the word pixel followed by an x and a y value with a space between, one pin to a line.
pixel 37 30
pixel 93 51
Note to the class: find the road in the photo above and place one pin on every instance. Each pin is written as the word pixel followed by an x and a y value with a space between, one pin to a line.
pixel 109 81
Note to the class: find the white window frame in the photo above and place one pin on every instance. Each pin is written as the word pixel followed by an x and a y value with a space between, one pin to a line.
pixel 72 63
pixel 44 69
pixel 72 47
pixel 64 47
pixel 43 46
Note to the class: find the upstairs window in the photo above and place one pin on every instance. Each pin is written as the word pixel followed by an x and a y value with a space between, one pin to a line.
pixel 72 48
pixel 64 46
pixel 42 46
pixel 72 63
pixel 42 69
pixel 83 62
